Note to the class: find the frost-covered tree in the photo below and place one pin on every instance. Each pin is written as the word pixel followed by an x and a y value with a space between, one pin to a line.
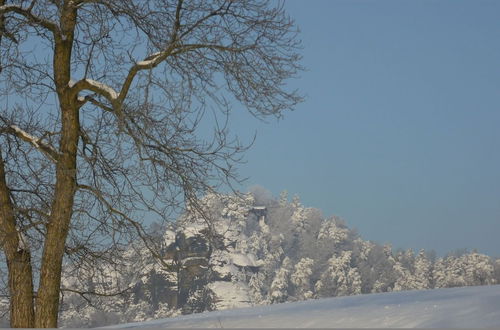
pixel 283 198
pixel 299 219
pixel 378 272
pixel 335 231
pixel 440 274
pixel 467 269
pixel 496 266
pixel 340 278
pixel 279 289
pixel 301 279
pixel 423 271
pixel 479 269
pixel 404 270
pixel 296 201
pixel 257 289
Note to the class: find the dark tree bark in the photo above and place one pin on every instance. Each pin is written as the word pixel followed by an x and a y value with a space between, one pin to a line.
pixel 22 314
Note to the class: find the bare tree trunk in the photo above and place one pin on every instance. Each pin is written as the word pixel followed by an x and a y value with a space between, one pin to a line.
pixel 47 303
pixel 18 261
pixel 57 230
pixel 22 313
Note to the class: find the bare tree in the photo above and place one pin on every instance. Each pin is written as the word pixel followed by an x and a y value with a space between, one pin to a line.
pixel 103 122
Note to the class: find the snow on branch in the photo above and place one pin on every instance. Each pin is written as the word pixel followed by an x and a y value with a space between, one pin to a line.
pixel 150 60
pixel 22 241
pixel 97 87
pixel 34 141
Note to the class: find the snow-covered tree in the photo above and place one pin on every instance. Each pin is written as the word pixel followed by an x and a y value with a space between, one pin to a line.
pixel 340 278
pixel 404 268
pixel 440 274
pixel 296 201
pixel 335 231
pixel 423 271
pixel 283 202
pixel 278 292
pixel 478 269
pixel 301 279
pixel 496 266
pixel 299 219
pixel 257 288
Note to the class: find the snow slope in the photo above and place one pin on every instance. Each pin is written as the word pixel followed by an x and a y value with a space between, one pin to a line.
pixel 469 307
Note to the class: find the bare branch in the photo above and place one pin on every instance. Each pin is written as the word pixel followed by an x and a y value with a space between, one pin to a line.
pixel 32 18
pixel 137 226
pixel 84 293
pixel 34 141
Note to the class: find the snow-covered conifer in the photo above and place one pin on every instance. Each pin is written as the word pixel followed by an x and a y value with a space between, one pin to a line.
pixel 296 201
pixel 301 279
pixel 478 269
pixel 423 271
pixel 339 279
pixel 278 292
pixel 283 202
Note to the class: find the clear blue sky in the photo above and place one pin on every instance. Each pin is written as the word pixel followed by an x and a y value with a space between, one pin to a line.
pixel 400 131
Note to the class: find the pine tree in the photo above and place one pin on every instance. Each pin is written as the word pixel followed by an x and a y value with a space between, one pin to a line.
pixel 478 269
pixel 278 292
pixel 283 198
pixel 439 274
pixel 404 269
pixel 339 279
pixel 423 271
pixel 296 201
pixel 301 279
pixel 257 289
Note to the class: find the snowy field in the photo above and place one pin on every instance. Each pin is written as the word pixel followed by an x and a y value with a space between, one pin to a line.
pixel 469 307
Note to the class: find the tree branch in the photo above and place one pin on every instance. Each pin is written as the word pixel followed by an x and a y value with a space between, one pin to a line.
pixel 26 13
pixel 97 87
pixel 137 226
pixel 34 141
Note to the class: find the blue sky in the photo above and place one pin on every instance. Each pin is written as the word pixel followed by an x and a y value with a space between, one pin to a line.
pixel 399 134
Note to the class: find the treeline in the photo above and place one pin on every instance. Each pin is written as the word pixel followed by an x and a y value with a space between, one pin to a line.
pixel 257 250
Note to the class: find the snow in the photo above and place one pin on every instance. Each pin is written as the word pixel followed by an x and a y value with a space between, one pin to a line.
pixel 146 63
pixel 23 242
pixel 151 59
pixel 25 136
pixel 470 307
pixel 107 89
pixel 169 237
pixel 235 294
pixel 194 229
pixel 31 139
pixel 245 260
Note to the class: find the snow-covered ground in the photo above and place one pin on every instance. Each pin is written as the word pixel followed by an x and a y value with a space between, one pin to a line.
pixel 469 307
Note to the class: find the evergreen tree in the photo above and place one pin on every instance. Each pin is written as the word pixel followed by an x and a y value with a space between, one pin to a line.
pixel 283 198
pixel 478 269
pixel 278 292
pixel 301 279
pixel 339 279
pixel 423 271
